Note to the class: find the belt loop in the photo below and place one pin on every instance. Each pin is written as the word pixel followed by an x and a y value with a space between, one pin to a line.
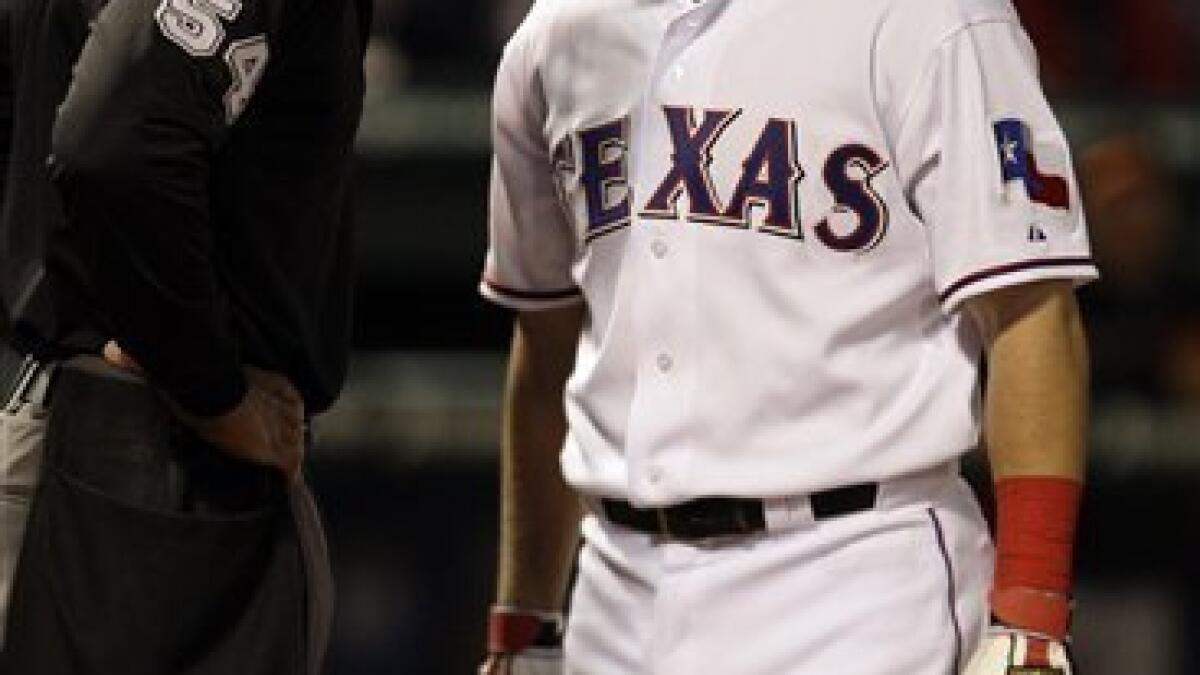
pixel 743 524
pixel 663 523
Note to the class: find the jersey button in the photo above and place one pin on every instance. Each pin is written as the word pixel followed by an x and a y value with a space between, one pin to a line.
pixel 655 474
pixel 659 248
pixel 665 363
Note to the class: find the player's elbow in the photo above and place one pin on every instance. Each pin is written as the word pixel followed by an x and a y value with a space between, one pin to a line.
pixel 86 160
pixel 124 168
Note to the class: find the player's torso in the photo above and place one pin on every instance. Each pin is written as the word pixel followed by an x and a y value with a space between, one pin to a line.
pixel 758 287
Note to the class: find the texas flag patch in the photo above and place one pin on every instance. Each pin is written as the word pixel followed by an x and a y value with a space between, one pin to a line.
pixel 1019 162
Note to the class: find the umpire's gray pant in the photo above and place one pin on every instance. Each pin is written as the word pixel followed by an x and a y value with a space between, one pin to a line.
pixel 22 436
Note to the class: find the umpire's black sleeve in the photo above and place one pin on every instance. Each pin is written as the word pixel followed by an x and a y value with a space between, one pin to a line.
pixel 156 89
pixel 6 95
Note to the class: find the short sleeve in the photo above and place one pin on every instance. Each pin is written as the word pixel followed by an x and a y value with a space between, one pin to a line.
pixel 987 168
pixel 532 245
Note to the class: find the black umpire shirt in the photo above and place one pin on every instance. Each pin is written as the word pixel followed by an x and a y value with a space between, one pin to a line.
pixel 39 40
pixel 203 156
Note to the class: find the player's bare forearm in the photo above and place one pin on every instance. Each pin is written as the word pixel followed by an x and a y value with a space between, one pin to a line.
pixel 1035 423
pixel 539 514
pixel 1035 416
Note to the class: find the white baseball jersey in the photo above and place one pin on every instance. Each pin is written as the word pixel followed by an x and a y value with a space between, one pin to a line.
pixel 773 211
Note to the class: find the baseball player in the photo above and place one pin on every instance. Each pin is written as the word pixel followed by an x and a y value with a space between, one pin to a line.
pixel 760 249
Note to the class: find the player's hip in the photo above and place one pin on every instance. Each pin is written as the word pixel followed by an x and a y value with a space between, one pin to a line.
pixel 897 587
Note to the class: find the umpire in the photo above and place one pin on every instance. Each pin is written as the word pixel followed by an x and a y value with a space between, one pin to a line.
pixel 176 287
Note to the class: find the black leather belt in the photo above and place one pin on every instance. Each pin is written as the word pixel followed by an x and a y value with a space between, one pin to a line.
pixel 23 379
pixel 723 516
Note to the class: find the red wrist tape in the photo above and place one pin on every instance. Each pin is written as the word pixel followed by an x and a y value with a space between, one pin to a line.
pixel 1035 539
pixel 511 630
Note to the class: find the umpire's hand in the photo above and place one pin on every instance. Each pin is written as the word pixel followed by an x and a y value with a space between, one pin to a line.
pixel 266 427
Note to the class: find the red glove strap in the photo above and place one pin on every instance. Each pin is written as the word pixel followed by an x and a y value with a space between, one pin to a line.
pixel 511 630
pixel 1039 611
pixel 1035 537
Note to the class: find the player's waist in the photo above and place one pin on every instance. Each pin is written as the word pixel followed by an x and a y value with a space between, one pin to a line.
pixel 719 516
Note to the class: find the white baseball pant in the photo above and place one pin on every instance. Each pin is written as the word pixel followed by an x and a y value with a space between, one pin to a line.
pixel 900 588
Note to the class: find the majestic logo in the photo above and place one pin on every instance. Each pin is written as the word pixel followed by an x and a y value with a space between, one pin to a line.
pixel 1019 162
pixel 769 181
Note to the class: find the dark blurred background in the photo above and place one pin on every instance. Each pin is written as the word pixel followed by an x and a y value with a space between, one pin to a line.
pixel 407 461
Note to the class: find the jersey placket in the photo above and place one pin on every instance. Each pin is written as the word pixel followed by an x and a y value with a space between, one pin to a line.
pixel 664 295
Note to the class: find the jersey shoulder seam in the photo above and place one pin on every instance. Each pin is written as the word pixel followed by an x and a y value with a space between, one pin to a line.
pixel 930 61
pixel 530 36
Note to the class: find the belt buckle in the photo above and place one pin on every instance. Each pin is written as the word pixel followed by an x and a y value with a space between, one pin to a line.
pixel 25 376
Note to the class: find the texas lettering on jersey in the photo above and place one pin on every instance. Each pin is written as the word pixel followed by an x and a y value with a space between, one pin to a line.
pixel 769 180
